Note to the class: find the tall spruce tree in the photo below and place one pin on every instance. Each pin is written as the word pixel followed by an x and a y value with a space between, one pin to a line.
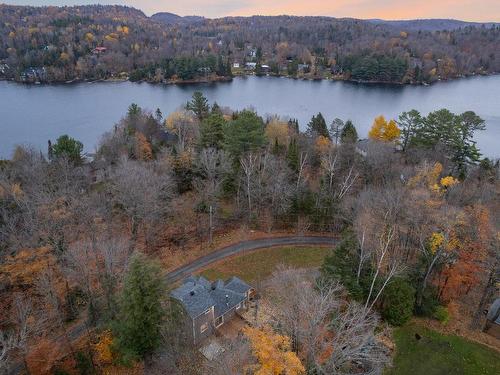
pixel 140 315
pixel 245 133
pixel 68 147
pixel 212 130
pixel 349 133
pixel 198 105
pixel 409 123
pixel 317 126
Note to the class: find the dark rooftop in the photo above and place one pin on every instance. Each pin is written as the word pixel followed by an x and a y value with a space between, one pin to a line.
pixel 197 295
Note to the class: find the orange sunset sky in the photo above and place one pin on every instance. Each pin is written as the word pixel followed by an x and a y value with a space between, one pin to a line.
pixel 470 10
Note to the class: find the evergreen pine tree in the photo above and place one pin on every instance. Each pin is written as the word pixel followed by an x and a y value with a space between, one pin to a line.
pixel 349 133
pixel 158 116
pixel 199 105
pixel 244 134
pixel 216 109
pixel 140 315
pixel 292 155
pixel 212 130
pixel 317 126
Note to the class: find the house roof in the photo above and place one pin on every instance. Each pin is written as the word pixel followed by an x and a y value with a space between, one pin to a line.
pixel 237 285
pixel 197 295
pixel 363 144
pixel 494 312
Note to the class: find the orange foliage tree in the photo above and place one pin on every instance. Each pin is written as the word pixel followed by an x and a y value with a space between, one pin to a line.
pixel 471 239
pixel 273 352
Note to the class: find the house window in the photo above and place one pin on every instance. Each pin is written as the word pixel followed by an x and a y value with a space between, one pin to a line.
pixel 219 321
pixel 203 327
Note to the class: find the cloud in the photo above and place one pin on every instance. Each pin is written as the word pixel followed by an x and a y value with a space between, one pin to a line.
pixel 471 10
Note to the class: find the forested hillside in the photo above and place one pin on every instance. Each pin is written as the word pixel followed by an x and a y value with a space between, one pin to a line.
pixel 49 44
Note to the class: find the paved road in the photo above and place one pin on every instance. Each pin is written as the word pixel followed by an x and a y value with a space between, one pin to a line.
pixel 242 247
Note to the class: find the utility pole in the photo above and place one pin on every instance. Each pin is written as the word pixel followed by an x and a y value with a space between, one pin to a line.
pixel 210 223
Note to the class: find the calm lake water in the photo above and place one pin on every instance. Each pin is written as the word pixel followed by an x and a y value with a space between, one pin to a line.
pixel 34 114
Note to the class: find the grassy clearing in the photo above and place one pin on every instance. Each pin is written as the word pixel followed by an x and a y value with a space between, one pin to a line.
pixel 258 265
pixel 438 354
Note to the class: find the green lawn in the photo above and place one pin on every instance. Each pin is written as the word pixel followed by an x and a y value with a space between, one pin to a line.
pixel 437 354
pixel 258 265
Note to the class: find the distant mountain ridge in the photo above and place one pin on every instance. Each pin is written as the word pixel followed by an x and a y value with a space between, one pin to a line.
pixel 431 24
pixel 171 18
pixel 425 24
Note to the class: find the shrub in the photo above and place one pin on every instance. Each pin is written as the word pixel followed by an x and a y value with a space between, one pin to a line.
pixel 341 265
pixel 84 364
pixel 430 303
pixel 398 302
pixel 442 315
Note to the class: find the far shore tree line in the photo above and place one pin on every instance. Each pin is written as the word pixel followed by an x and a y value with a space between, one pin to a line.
pixel 84 242
pixel 94 42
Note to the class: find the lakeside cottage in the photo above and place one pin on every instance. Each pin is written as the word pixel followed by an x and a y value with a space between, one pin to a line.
pixel 209 305
pixel 99 50
pixel 250 65
pixel 33 74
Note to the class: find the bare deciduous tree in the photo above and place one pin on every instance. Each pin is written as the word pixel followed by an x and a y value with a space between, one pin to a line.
pixel 143 193
pixel 304 310
pixel 354 348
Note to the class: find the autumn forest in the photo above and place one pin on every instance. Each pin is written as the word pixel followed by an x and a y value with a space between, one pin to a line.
pixel 53 44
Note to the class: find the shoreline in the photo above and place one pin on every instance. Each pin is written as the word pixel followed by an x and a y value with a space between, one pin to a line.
pixel 230 78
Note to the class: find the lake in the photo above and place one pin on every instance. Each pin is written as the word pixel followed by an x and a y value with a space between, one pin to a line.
pixel 34 114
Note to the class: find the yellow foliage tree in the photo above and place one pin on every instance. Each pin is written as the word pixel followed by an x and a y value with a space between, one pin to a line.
pixel 111 37
pixel 436 241
pixel 428 176
pixel 273 352
pixel 102 348
pixel 444 184
pixel 277 131
pixel 144 150
pixel 448 181
pixel 17 192
pixel 322 145
pixel 383 130
pixel 64 56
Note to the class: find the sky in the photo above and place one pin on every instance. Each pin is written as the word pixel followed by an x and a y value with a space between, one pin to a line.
pixel 468 10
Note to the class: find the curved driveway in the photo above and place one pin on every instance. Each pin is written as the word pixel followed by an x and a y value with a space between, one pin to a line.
pixel 237 248
pixel 242 247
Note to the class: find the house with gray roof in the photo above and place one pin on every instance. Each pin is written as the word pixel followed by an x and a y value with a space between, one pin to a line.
pixel 209 305
pixel 492 326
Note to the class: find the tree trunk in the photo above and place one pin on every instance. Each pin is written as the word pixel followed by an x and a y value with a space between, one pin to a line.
pixel 488 291
pixel 420 294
